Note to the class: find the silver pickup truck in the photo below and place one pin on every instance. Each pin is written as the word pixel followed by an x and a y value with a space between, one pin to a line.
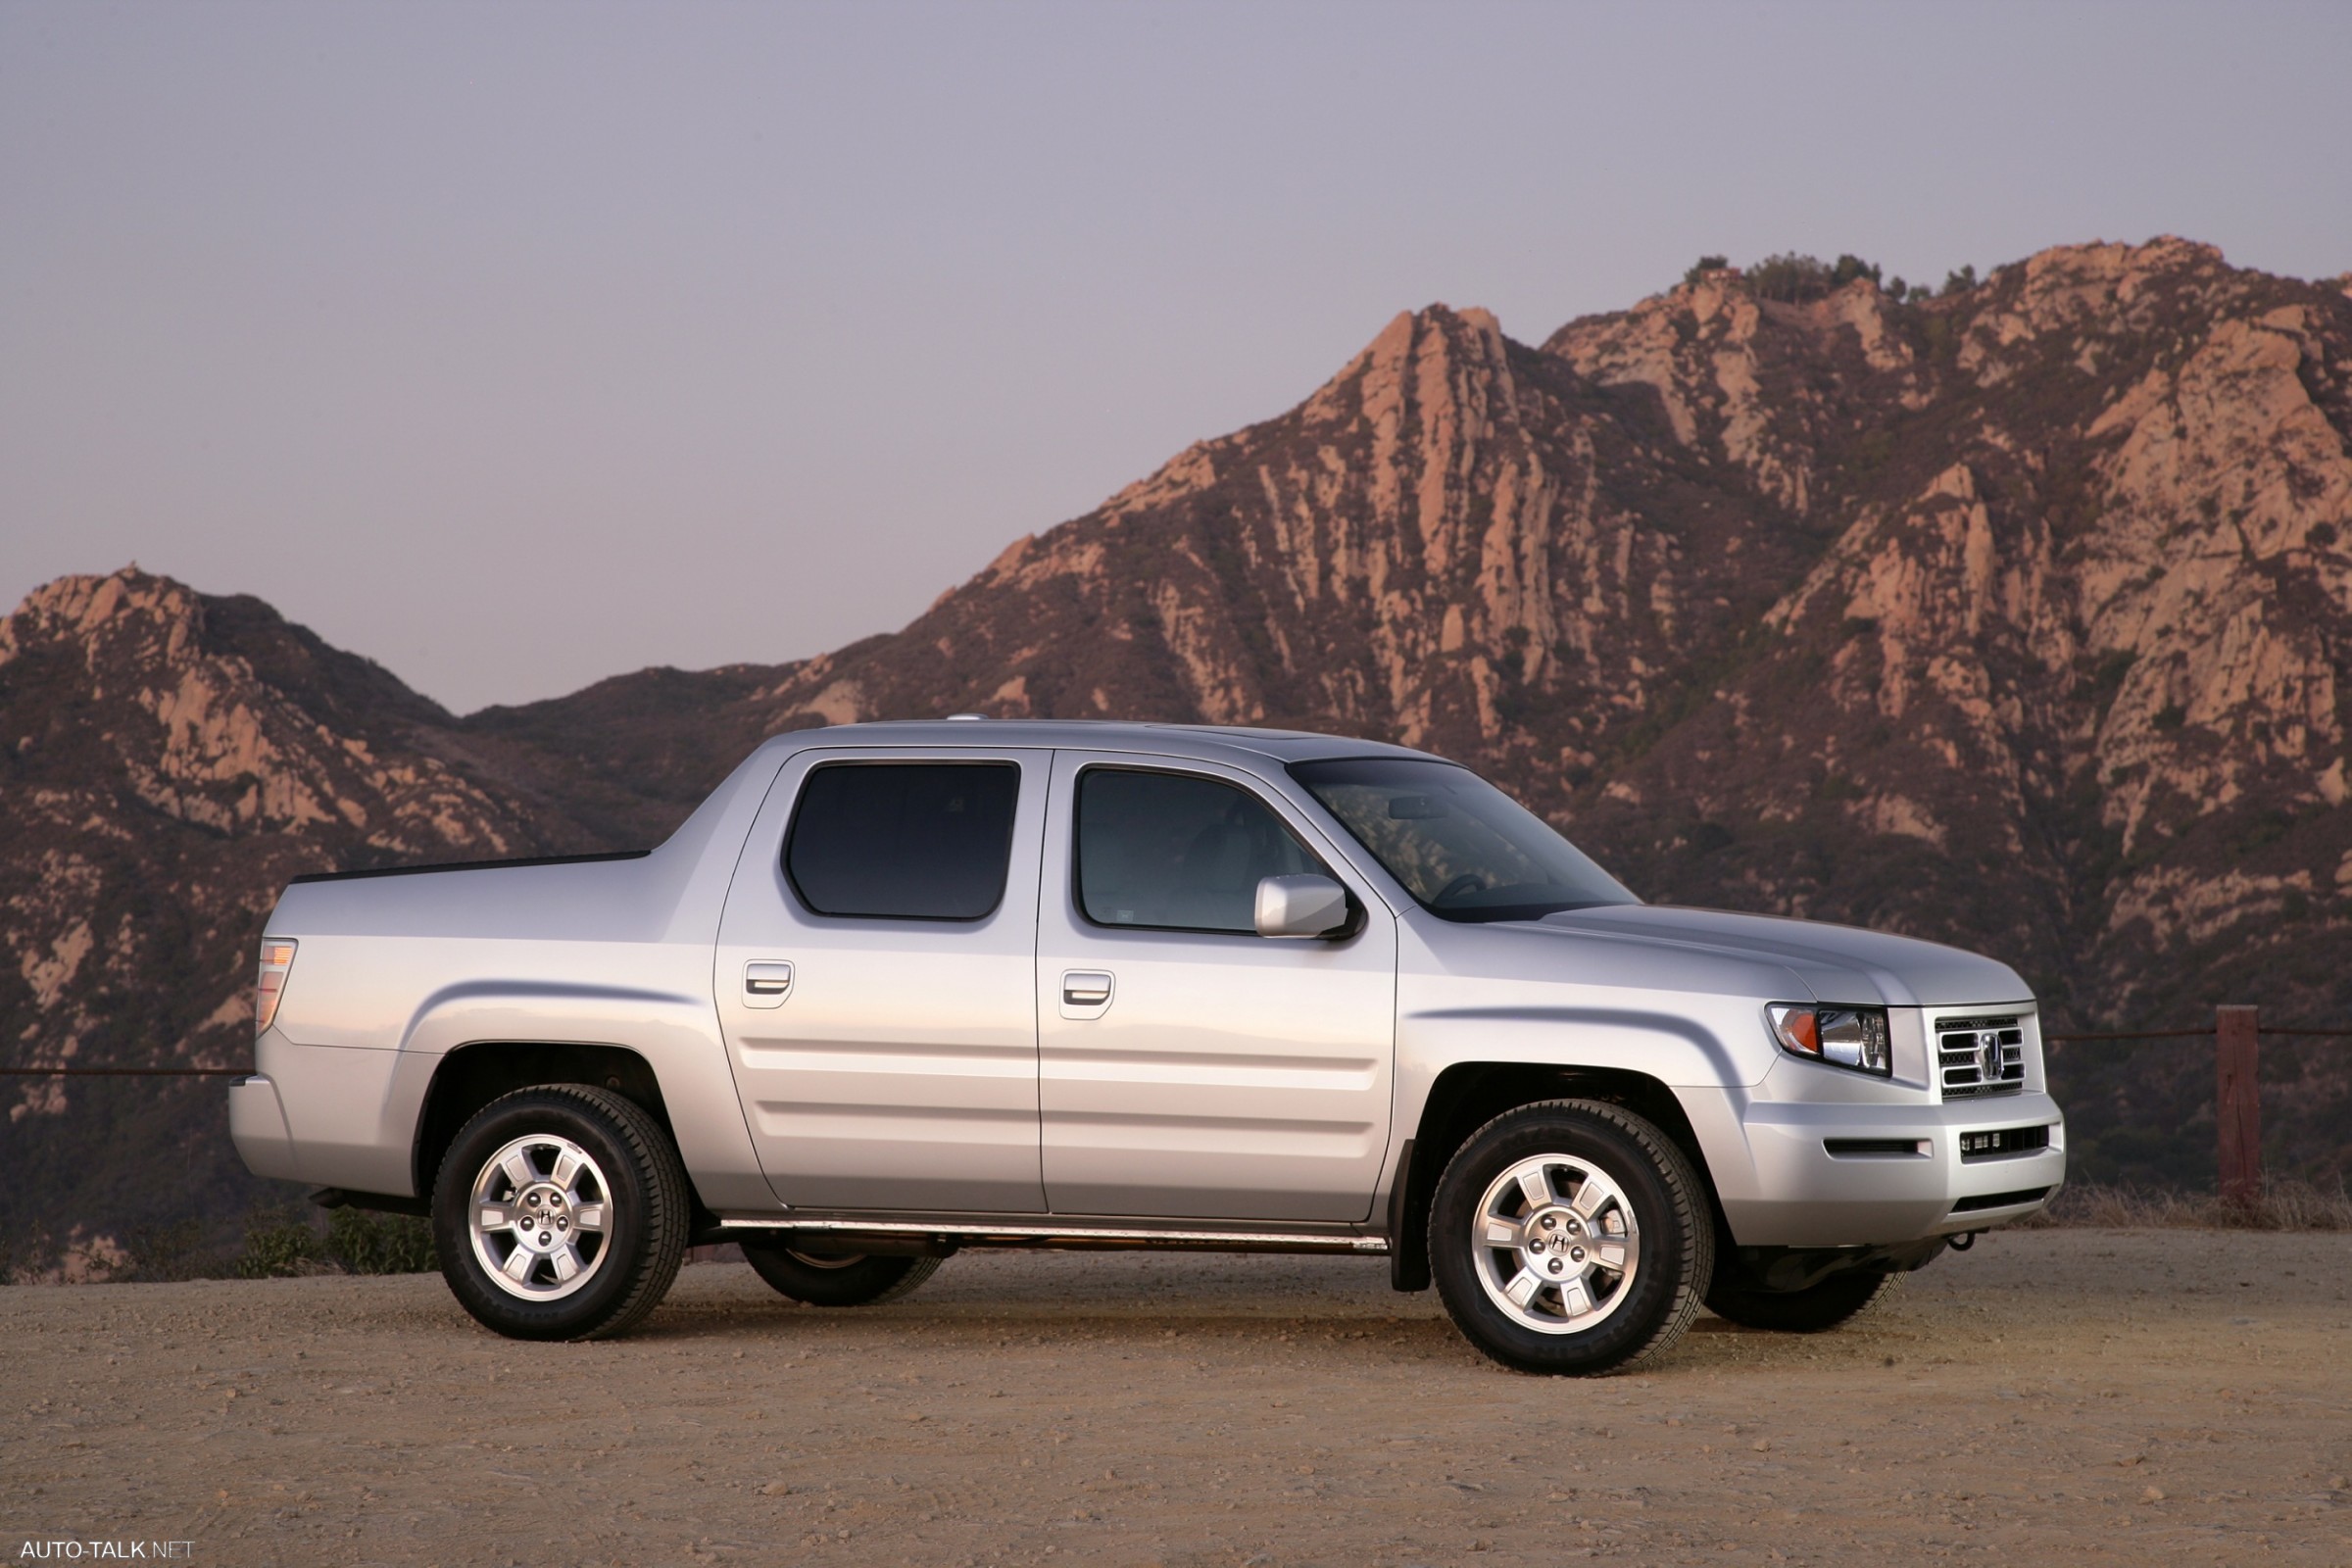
pixel 900 988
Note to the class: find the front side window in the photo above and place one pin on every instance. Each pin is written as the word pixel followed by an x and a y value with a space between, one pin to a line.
pixel 1177 851
pixel 903 841
pixel 1461 847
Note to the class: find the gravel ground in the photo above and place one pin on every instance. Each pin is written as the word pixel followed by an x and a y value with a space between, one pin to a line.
pixel 2086 1396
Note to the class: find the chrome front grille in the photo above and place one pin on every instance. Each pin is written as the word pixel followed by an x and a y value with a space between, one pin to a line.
pixel 1977 1057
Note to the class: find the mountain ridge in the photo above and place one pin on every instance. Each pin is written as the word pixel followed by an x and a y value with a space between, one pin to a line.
pixel 2016 618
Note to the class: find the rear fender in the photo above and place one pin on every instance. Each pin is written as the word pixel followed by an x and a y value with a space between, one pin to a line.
pixel 662 1046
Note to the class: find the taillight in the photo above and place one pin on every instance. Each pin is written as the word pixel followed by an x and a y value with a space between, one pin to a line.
pixel 278 961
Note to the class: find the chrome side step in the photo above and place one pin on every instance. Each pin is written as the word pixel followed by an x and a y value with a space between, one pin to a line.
pixel 990 1234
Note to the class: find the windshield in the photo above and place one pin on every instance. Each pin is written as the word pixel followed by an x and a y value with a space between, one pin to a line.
pixel 1460 846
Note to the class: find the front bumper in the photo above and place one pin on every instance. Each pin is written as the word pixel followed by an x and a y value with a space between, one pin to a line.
pixel 1835 1177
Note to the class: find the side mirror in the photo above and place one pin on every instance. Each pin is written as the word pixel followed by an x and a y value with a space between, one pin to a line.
pixel 1305 905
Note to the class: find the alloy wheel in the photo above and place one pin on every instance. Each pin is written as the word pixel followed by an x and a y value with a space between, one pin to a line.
pixel 1556 1244
pixel 538 1217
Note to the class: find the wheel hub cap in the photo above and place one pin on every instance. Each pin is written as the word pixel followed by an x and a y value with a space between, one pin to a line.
pixel 1557 1244
pixel 538 1217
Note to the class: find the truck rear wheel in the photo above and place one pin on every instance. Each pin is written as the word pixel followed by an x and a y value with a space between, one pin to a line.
pixel 832 1279
pixel 1570 1235
pixel 560 1213
pixel 1810 1310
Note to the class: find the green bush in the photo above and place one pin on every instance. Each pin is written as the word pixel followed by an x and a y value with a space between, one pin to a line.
pixel 182 1251
pixel 1849 268
pixel 282 1239
pixel 1794 278
pixel 1789 277
pixel 280 1243
pixel 1706 265
pixel 366 1243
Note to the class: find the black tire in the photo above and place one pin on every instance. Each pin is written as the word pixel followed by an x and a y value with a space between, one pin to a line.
pixel 634 1179
pixel 1666 1239
pixel 818 1278
pixel 1811 1310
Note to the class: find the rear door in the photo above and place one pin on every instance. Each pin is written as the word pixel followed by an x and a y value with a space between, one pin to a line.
pixel 875 979
pixel 1188 1066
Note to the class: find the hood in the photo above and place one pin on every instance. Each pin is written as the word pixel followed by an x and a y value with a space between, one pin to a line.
pixel 1837 962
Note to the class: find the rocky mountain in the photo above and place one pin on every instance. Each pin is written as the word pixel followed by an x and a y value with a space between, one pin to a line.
pixel 2017 616
pixel 168 762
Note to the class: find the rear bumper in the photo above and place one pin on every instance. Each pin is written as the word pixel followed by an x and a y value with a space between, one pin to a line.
pixel 256 1125
pixel 1879 1197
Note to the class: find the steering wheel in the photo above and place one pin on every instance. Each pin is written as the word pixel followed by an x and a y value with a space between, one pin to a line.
pixel 1467 882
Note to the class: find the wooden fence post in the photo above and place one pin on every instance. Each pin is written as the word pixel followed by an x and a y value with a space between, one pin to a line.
pixel 2237 1108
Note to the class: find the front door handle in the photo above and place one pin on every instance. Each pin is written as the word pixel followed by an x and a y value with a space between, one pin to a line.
pixel 766 984
pixel 1085 992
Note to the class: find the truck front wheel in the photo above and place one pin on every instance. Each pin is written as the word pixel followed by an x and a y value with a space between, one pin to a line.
pixel 1570 1235
pixel 560 1213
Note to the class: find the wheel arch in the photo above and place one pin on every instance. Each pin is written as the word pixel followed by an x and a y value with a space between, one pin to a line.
pixel 1468 1095
pixel 474 1075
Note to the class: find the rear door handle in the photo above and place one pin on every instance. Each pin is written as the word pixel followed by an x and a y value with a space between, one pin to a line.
pixel 766 983
pixel 1085 992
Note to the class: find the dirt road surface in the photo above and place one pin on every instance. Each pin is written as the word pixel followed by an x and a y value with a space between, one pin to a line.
pixel 2054 1396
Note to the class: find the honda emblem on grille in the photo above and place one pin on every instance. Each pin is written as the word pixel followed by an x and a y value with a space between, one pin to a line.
pixel 1988 1057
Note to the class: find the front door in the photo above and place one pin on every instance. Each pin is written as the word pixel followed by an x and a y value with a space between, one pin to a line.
pixel 875 984
pixel 1188 1066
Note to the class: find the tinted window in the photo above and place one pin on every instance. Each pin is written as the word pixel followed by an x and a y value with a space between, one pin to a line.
pixel 1460 846
pixel 903 841
pixel 1177 851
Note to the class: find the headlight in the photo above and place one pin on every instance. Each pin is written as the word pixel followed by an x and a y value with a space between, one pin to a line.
pixel 1847 1037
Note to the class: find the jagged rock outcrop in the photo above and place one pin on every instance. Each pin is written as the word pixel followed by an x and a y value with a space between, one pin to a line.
pixel 2016 618
pixel 168 762
pixel 2032 599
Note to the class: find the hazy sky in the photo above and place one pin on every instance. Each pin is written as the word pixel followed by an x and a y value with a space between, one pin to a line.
pixel 518 344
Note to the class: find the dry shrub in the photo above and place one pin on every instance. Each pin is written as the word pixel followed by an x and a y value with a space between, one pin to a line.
pixel 2284 1205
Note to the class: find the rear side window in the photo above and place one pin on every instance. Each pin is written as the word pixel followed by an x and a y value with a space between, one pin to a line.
pixel 903 841
pixel 1177 851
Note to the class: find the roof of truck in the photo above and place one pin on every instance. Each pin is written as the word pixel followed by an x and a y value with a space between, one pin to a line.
pixel 1206 741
